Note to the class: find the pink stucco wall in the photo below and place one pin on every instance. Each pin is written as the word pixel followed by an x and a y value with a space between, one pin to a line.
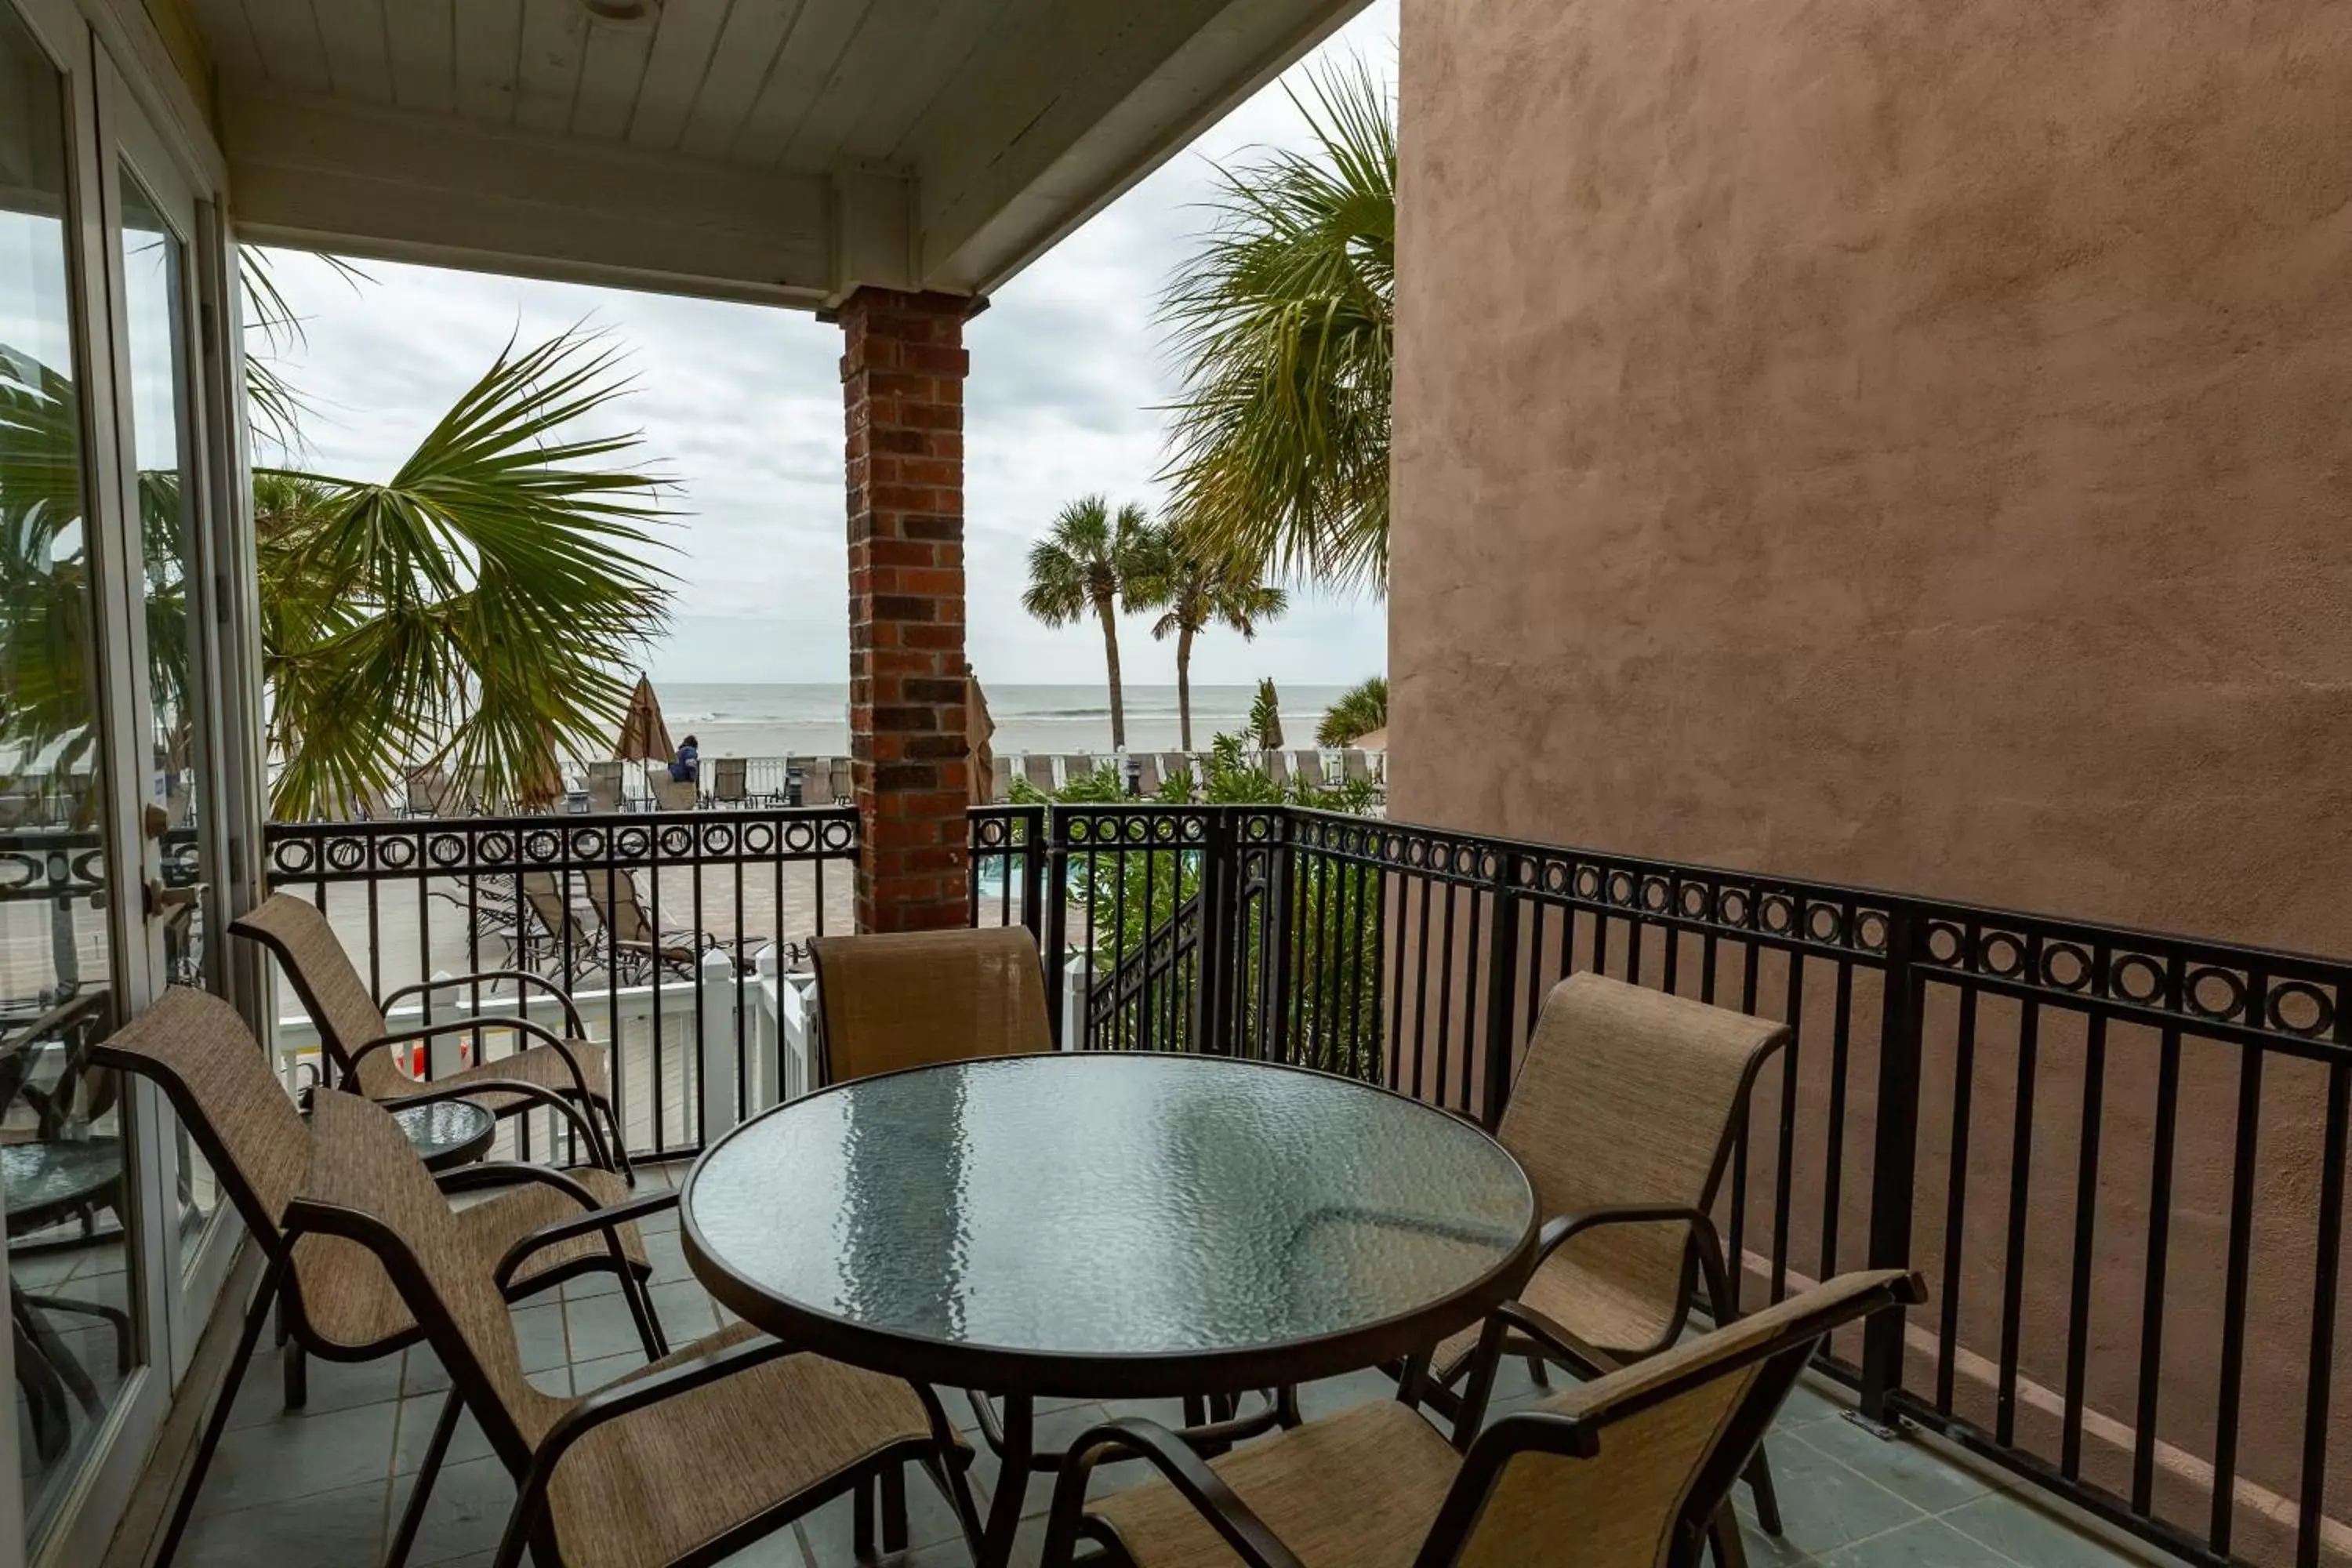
pixel 1912 444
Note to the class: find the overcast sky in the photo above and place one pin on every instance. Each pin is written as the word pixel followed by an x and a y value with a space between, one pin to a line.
pixel 741 406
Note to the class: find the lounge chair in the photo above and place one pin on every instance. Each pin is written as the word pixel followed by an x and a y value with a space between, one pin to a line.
pixel 604 787
pixel 1308 767
pixel 433 792
pixel 844 782
pixel 1626 1110
pixel 1147 773
pixel 685 1461
pixel 1038 770
pixel 815 780
pixel 635 945
pixel 1276 767
pixel 675 795
pixel 1633 1469
pixel 570 1078
pixel 728 777
pixel 1000 780
pixel 336 1302
pixel 1353 768
pixel 1074 766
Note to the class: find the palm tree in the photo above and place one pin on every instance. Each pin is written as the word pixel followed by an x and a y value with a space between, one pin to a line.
pixel 474 609
pixel 1088 560
pixel 1362 708
pixel 1282 328
pixel 1196 588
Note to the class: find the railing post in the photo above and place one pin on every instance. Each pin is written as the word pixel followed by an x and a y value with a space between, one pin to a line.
pixel 1032 824
pixel 1048 866
pixel 1502 989
pixel 1279 935
pixel 1894 1153
pixel 1220 903
pixel 716 974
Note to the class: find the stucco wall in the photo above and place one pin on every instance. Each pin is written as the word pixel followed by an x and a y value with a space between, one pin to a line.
pixel 1912 444
pixel 1904 443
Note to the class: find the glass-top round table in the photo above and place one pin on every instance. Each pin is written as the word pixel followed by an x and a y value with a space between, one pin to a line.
pixel 1103 1225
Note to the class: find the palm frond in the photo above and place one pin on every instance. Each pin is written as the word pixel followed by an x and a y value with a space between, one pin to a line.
pixel 1282 327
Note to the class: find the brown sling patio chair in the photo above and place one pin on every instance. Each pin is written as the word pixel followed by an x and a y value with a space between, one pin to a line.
pixel 684 1461
pixel 338 1301
pixel 731 781
pixel 910 999
pixel 566 1077
pixel 1632 1470
pixel 1626 1110
pixel 638 948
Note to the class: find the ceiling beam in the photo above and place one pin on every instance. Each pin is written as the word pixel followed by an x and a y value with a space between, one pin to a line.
pixel 404 186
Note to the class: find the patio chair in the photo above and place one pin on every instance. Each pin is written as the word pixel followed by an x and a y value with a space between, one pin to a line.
pixel 1627 1107
pixel 1039 772
pixel 1353 767
pixel 816 779
pixel 730 783
pixel 844 782
pixel 1147 774
pixel 675 794
pixel 1075 765
pixel 1634 1470
pixel 908 999
pixel 1000 780
pixel 569 1078
pixel 336 1301
pixel 685 1461
pixel 633 942
pixel 1307 766
pixel 1275 768
pixel 433 792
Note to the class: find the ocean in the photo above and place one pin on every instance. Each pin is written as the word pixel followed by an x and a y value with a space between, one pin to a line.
pixel 758 719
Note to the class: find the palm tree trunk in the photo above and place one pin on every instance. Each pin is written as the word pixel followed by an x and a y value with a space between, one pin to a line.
pixel 1185 685
pixel 1104 608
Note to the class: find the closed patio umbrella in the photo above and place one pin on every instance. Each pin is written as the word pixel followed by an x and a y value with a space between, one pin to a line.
pixel 978 729
pixel 644 737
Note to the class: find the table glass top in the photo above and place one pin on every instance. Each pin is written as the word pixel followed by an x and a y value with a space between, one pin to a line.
pixel 1101 1204
pixel 443 1124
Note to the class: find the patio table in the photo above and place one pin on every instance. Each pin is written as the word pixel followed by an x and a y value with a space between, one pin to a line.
pixel 1106 1225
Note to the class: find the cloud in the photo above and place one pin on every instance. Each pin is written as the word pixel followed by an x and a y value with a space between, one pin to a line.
pixel 739 406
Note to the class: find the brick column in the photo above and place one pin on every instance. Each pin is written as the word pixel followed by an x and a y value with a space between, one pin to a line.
pixel 902 370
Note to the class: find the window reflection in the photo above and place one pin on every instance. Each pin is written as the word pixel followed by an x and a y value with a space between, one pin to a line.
pixel 62 1171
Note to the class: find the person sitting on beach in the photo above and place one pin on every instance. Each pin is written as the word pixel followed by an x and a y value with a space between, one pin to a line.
pixel 689 762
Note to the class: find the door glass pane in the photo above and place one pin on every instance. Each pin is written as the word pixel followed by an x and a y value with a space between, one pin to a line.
pixel 155 335
pixel 70 1279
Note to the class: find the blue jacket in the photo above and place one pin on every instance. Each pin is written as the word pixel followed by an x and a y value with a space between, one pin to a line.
pixel 683 770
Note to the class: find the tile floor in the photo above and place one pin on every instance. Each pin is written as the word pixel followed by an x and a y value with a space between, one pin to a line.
pixel 320 1488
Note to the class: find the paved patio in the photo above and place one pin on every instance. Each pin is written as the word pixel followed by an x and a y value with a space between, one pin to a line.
pixel 321 1488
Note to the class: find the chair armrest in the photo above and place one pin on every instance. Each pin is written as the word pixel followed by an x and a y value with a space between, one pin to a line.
pixel 510 1172
pixel 520 976
pixel 1216 1502
pixel 608 1404
pixel 1561 1228
pixel 477 1023
pixel 607 1219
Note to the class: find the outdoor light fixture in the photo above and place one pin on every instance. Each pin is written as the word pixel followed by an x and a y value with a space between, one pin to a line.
pixel 1135 775
pixel 794 780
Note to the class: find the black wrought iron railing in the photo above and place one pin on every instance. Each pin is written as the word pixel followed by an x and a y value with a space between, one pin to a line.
pixel 2118 1157
pixel 678 935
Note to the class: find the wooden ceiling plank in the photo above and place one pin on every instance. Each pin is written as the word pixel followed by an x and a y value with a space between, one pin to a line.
pixel 755 30
pixel 611 67
pixel 488 34
pixel 359 62
pixel 546 79
pixel 811 65
pixel 423 38
pixel 229 38
pixel 685 41
pixel 286 32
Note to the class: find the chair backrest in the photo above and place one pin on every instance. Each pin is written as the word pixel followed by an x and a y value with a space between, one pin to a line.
pixel 1309 766
pixel 908 999
pixel 727 778
pixel 1277 768
pixel 604 794
pixel 544 894
pixel 845 783
pixel 428 791
pixel 1631 1095
pixel 1075 765
pixel 1039 771
pixel 366 1186
pixel 607 769
pixel 1353 767
pixel 1630 1471
pixel 673 795
pixel 324 977
pixel 616 904
pixel 1000 780
pixel 216 1075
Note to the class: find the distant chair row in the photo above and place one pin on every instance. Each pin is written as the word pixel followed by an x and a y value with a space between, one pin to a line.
pixel 1048 773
